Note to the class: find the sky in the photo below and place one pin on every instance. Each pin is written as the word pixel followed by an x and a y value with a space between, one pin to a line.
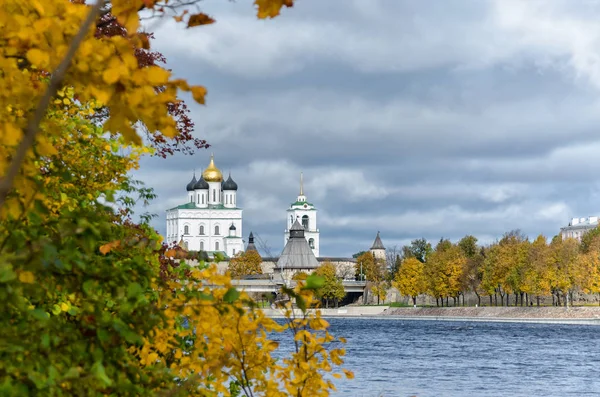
pixel 431 119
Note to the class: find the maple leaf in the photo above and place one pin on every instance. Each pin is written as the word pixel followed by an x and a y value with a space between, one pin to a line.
pixel 199 19
pixel 271 8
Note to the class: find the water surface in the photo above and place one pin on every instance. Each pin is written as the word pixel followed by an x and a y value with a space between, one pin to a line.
pixel 426 358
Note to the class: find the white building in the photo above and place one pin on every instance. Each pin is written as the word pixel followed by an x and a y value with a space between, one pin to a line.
pixel 578 227
pixel 210 219
pixel 306 214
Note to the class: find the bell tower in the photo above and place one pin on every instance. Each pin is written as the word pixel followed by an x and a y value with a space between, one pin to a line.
pixel 306 214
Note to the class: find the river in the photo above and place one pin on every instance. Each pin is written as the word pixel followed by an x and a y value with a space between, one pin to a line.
pixel 425 358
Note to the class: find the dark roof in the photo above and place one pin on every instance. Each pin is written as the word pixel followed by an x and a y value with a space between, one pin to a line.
pixel 201 184
pixel 190 186
pixel 297 254
pixel 377 244
pixel 297 230
pixel 191 205
pixel 251 246
pixel 232 227
pixel 229 184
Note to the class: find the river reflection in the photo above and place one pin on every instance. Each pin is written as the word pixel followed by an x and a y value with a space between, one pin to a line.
pixel 425 358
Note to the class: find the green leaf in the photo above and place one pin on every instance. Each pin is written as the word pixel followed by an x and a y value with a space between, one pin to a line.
pixel 231 295
pixel 39 314
pixel 301 303
pixel 134 290
pixel 314 282
pixel 6 273
pixel 71 373
pixel 45 341
pixel 100 373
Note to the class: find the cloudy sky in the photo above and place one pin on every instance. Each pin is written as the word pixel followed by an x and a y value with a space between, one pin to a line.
pixel 418 119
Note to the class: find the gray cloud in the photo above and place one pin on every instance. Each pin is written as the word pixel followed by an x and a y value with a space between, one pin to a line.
pixel 431 119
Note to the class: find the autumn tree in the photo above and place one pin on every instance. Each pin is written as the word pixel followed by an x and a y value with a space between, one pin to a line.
pixel 472 274
pixel 513 255
pixel 92 303
pixel 245 264
pixel 374 272
pixel 410 278
pixel 443 271
pixel 537 276
pixel 333 288
pixel 564 271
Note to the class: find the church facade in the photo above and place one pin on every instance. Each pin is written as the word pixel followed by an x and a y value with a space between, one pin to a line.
pixel 306 214
pixel 210 219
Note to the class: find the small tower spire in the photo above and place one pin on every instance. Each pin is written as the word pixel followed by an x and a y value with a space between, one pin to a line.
pixel 301 184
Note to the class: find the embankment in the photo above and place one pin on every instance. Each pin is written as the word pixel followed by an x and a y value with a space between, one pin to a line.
pixel 557 315
pixel 586 315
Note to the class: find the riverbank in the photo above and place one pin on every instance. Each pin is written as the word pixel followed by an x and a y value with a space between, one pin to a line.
pixel 586 315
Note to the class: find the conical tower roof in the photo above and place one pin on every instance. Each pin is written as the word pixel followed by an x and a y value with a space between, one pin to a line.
pixel 377 244
pixel 251 246
pixel 297 254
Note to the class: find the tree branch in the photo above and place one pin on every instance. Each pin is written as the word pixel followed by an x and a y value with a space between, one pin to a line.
pixel 58 76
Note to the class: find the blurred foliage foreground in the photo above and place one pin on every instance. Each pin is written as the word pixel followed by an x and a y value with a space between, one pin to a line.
pixel 92 302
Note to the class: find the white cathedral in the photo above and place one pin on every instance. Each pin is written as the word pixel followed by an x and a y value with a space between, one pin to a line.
pixel 210 219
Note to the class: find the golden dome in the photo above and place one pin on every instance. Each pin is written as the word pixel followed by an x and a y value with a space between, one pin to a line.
pixel 212 173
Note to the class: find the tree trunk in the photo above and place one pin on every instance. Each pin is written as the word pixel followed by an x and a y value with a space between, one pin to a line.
pixel 558 299
pixel 446 301
pixel 414 300
pixel 453 301
pixel 437 302
pixel 538 300
pixel 326 303
pixel 521 294
pixel 491 303
pixel 526 299
pixel 516 299
pixel 495 299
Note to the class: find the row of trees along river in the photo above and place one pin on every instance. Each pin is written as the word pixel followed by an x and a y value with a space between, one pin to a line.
pixel 514 270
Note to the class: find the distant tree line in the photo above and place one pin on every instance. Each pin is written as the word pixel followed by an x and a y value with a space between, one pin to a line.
pixel 511 271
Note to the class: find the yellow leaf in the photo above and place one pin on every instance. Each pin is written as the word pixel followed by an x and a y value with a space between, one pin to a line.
pixel 26 277
pixel 271 8
pixel 111 76
pixel 349 374
pixel 199 19
pixel 157 75
pixel 64 307
pixel 337 376
pixel 11 134
pixel 38 57
pixel 106 248
pixel 199 92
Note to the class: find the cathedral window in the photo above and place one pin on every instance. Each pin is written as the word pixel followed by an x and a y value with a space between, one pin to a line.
pixel 202 230
pixel 214 195
pixel 216 246
pixel 186 229
pixel 311 243
pixel 201 245
pixel 305 222
pixel 203 199
pixel 217 230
